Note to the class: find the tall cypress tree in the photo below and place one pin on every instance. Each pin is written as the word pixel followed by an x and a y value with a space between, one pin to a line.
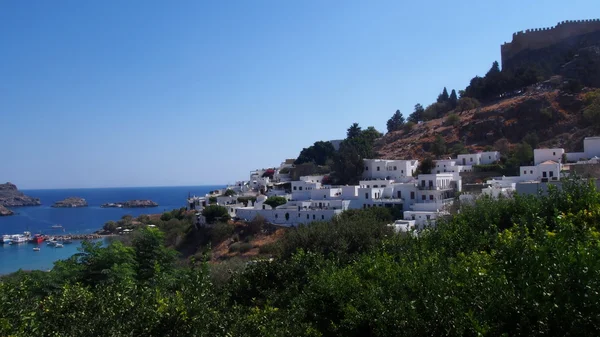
pixel 453 100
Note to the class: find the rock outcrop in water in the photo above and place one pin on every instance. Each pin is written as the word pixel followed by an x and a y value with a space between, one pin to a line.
pixel 5 211
pixel 10 196
pixel 71 202
pixel 132 204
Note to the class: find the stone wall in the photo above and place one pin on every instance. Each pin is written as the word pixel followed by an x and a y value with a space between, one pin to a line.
pixel 538 38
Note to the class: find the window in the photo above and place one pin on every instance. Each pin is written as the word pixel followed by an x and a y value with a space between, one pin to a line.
pixel 263 206
pixel 395 168
pixel 322 217
pixel 324 196
pixel 401 171
pixel 399 194
pixel 431 197
pixel 375 185
pixel 423 197
pixel 295 187
pixel 413 216
pixel 377 168
pixel 544 174
pixel 428 217
pixel 525 172
pixel 471 159
pixel 300 188
pixel 531 172
pixel 364 206
pixel 551 174
pixel 298 214
pixel 554 153
pixel 490 157
pixel 314 217
pixel 307 217
pixel 412 195
pixel 276 216
pixel 367 195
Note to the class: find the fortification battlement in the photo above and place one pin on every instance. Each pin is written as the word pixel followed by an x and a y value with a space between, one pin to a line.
pixel 543 37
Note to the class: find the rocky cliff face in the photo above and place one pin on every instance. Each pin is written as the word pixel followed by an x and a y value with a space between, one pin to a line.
pixel 71 202
pixel 11 197
pixel 553 115
pixel 5 211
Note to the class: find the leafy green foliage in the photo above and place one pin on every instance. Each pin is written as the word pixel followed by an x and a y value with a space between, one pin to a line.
pixel 275 201
pixel 348 162
pixel 467 103
pixel 524 266
pixel 395 122
pixel 319 153
pixel 438 147
pixel 425 166
pixel 215 212
pixel 417 114
pixel 229 193
pixel 452 119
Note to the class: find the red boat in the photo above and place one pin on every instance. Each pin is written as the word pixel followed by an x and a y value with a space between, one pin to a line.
pixel 38 238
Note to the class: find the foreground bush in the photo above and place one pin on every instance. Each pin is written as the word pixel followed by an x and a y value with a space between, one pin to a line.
pixel 528 266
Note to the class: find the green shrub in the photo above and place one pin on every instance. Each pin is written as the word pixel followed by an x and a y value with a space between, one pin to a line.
pixel 452 119
pixel 215 212
pixel 269 248
pixel 229 192
pixel 408 126
pixel 212 200
pixel 220 232
pixel 245 247
pixel 488 168
pixel 275 201
pixel 235 247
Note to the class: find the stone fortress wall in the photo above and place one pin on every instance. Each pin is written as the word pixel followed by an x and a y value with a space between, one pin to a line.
pixel 543 37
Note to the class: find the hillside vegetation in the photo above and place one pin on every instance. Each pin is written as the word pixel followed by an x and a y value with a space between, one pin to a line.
pixel 525 266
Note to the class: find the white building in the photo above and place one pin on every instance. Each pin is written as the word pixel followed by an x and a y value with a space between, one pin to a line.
pixel 469 159
pixel 388 169
pixel 434 194
pixel 542 155
pixel 489 157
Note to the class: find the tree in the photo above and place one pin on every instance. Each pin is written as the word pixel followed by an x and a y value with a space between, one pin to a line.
pixel 502 145
pixel 395 122
pixel 443 97
pixel 453 100
pixel 319 153
pixel 438 147
pixel 532 139
pixel 467 103
pixel 494 70
pixel 353 131
pixel 275 201
pixel 151 256
pixel 213 213
pixel 524 154
pixel 435 110
pixel 417 114
pixel 425 166
pixel 229 193
pixel 452 119
pixel 348 162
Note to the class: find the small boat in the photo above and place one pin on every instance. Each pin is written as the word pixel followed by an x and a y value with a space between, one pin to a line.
pixel 6 239
pixel 36 249
pixel 59 245
pixel 38 238
pixel 57 226
pixel 19 238
pixel 67 240
pixel 52 242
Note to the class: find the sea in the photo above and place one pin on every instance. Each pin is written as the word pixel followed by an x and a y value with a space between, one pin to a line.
pixel 84 220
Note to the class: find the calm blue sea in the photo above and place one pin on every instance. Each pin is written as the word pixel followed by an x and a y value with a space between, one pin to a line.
pixel 39 219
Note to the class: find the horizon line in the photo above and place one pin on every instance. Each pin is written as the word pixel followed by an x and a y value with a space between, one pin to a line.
pixel 114 187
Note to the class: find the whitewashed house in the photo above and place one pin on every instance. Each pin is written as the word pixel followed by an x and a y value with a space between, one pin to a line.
pixel 489 157
pixel 385 169
pixel 542 155
pixel 435 193
pixel 469 159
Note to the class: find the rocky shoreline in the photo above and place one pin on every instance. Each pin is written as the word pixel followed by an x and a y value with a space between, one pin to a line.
pixel 71 202
pixel 5 211
pixel 131 204
pixel 10 196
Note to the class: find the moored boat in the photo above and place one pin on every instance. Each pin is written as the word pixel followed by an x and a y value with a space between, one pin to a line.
pixel 6 239
pixel 36 249
pixel 37 238
pixel 18 238
pixel 56 226
pixel 59 245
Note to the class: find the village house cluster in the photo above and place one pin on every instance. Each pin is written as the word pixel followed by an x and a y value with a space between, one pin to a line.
pixel 419 198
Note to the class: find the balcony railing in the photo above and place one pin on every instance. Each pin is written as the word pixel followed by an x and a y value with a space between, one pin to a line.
pixel 450 186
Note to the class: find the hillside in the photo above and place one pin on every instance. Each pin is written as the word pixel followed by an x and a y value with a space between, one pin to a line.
pixel 10 196
pixel 556 116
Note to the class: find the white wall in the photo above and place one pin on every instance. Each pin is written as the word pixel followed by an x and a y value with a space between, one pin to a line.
pixel 576 156
pixel 294 218
pixel 541 155
pixel 388 169
pixel 591 146
pixel 468 159
pixel 489 157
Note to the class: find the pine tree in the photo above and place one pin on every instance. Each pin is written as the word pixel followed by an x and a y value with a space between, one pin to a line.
pixel 453 100
pixel 396 122
pixel 443 97
pixel 417 115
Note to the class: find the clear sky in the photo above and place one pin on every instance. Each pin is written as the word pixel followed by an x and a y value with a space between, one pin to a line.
pixel 152 93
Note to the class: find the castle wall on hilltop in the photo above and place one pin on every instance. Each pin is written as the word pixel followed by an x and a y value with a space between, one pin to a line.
pixel 532 39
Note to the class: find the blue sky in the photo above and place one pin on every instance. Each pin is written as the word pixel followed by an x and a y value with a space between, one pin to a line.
pixel 157 93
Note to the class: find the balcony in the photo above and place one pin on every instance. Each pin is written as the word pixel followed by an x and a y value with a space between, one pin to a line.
pixel 450 186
